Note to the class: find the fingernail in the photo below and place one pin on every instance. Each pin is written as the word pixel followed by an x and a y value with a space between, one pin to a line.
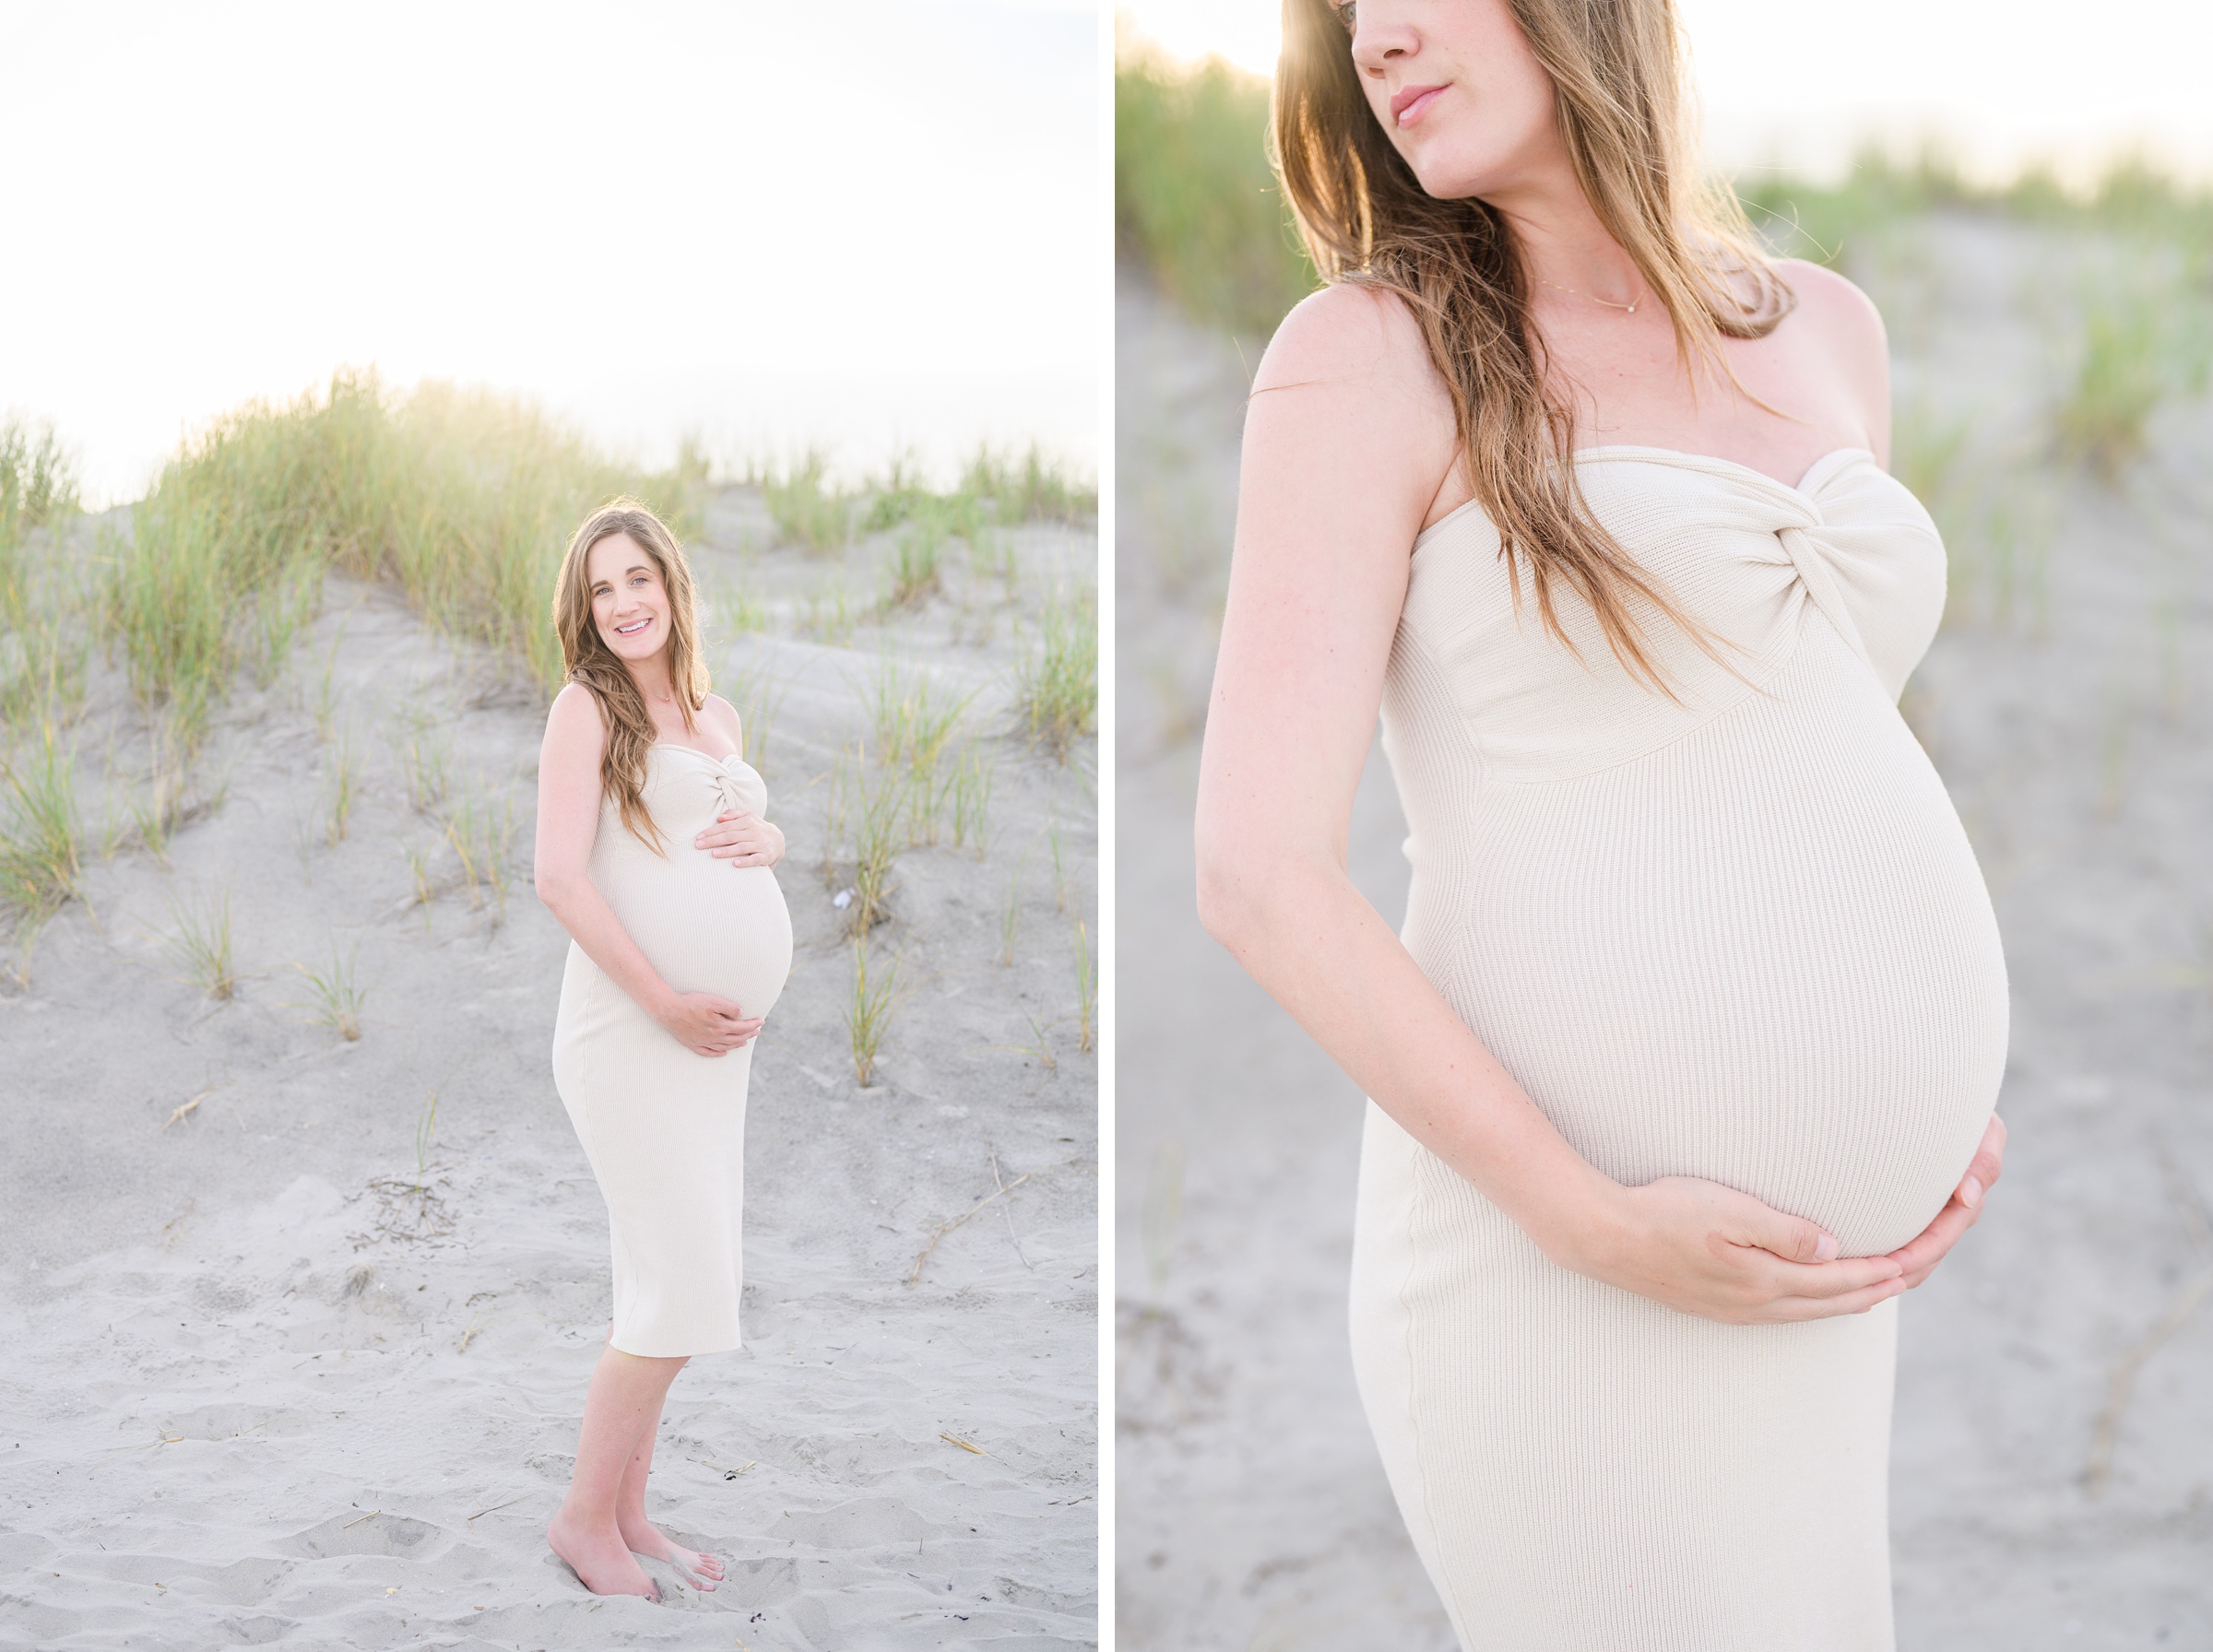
pixel 1970 1193
pixel 1825 1248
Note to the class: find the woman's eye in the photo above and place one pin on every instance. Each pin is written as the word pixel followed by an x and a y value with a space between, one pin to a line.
pixel 1345 16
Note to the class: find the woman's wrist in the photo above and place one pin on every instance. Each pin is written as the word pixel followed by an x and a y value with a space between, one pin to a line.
pixel 1584 1225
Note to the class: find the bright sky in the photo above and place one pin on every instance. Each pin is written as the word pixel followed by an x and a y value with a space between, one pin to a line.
pixel 867 224
pixel 1796 84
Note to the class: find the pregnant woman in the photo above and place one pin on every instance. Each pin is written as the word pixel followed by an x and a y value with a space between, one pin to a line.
pixel 1683 1065
pixel 653 854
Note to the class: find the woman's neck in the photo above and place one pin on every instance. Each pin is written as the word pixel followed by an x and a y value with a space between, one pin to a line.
pixel 1561 240
pixel 654 685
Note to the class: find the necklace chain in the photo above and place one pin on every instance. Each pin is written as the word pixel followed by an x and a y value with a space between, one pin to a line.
pixel 1630 307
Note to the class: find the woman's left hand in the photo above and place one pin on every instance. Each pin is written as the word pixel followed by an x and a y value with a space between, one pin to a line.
pixel 1922 1255
pixel 743 839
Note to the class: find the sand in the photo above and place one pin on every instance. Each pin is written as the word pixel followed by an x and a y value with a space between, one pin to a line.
pixel 1252 1512
pixel 273 1375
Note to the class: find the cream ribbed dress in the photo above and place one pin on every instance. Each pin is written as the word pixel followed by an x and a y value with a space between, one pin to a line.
pixel 664 1127
pixel 1743 938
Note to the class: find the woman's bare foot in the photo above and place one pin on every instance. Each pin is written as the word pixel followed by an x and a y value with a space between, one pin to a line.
pixel 701 1571
pixel 602 1560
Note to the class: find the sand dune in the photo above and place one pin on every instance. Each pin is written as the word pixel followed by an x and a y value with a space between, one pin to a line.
pixel 276 1375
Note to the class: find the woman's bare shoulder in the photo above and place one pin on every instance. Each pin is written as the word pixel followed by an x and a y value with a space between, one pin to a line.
pixel 1842 328
pixel 1829 307
pixel 1347 390
pixel 1348 331
pixel 724 715
pixel 573 720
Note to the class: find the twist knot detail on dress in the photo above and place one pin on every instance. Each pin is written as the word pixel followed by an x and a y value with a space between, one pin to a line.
pixel 664 1126
pixel 1739 934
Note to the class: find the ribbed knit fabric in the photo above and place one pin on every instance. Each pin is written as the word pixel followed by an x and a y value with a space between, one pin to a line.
pixel 1741 937
pixel 664 1126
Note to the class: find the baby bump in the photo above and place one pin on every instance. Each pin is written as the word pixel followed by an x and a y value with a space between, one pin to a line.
pixel 706 926
pixel 1783 976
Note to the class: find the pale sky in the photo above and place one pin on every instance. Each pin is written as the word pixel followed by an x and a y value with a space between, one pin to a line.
pixel 865 224
pixel 1799 84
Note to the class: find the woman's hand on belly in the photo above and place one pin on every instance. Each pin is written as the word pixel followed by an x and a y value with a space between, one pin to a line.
pixel 743 839
pixel 1920 1257
pixel 705 1024
pixel 1708 1249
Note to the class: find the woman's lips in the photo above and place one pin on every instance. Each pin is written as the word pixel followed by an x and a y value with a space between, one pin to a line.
pixel 1408 102
pixel 634 627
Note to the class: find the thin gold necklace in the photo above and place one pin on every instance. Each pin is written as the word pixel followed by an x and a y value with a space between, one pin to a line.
pixel 1630 307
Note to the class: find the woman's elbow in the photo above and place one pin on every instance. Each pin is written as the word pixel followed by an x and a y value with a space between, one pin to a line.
pixel 552 888
pixel 1226 894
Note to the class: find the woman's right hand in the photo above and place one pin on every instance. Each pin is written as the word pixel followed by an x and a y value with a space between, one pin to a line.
pixel 708 1025
pixel 1710 1250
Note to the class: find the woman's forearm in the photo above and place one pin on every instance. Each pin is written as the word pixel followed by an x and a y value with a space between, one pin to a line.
pixel 1305 932
pixel 592 924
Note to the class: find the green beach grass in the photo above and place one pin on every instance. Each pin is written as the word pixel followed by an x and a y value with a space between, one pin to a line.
pixel 465 499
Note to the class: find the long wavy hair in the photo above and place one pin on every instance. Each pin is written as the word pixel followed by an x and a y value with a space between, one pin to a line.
pixel 1624 104
pixel 629 731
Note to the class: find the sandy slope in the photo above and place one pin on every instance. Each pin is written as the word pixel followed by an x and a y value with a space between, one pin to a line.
pixel 257 1389
pixel 1252 1509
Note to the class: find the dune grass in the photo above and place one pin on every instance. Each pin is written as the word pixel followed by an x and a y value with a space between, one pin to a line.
pixel 970 779
pixel 334 996
pixel 41 832
pixel 869 1008
pixel 1010 917
pixel 1195 200
pixel 915 568
pixel 807 508
pixel 341 786
pixel 755 686
pixel 733 612
pixel 913 713
pixel 1088 990
pixel 424 757
pixel 881 814
pixel 481 828
pixel 1825 222
pixel 38 480
pixel 1017 488
pixel 155 816
pixel 43 645
pixel 200 943
pixel 2144 341
pixel 996 488
pixel 1057 683
pixel 464 497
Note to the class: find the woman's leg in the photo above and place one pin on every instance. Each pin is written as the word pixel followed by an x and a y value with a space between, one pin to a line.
pixel 701 1571
pixel 624 1403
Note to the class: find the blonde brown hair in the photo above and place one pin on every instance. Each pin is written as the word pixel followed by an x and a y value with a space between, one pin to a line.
pixel 1622 100
pixel 629 731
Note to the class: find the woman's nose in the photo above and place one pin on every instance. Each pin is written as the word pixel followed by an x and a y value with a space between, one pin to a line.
pixel 1381 33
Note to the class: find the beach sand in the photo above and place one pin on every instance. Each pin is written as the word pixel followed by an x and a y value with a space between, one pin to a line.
pixel 305 1367
pixel 1252 1511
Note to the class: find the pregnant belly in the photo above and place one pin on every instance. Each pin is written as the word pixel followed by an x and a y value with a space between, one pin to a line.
pixel 706 926
pixel 1764 955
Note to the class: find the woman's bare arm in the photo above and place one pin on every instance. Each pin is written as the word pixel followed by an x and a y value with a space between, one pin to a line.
pixel 568 819
pixel 1348 437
